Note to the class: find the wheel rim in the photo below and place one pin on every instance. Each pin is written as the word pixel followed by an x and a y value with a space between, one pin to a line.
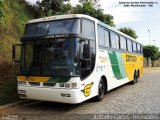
pixel 101 89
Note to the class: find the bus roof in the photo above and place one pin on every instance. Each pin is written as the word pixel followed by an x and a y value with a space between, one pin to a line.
pixel 67 16
pixel 58 17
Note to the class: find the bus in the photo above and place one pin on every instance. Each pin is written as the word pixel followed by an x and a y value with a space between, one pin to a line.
pixel 72 58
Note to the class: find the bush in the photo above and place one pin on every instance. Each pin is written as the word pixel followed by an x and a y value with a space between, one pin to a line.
pixel 1 12
pixel 8 89
pixel 8 92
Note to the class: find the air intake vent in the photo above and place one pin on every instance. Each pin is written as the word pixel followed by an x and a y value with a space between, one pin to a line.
pixel 47 84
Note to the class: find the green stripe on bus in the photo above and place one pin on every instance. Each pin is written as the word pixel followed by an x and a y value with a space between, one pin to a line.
pixel 121 64
pixel 117 64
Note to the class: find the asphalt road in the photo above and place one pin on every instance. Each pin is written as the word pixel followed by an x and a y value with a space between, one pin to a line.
pixel 141 98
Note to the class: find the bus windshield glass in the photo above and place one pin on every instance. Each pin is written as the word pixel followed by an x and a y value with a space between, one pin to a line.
pixel 52 27
pixel 54 58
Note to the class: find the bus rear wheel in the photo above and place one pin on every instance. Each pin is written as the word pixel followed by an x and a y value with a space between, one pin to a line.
pixel 135 78
pixel 101 91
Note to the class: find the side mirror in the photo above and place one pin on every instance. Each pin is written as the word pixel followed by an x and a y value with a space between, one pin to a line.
pixel 16 52
pixel 86 51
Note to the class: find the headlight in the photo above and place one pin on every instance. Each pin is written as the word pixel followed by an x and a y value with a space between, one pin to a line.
pixel 21 82
pixel 67 85
pixel 61 85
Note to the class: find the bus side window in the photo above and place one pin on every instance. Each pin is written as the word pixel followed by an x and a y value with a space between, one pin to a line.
pixel 138 48
pixel 129 45
pixel 141 49
pixel 88 32
pixel 101 36
pixel 93 54
pixel 106 41
pixel 123 43
pixel 115 40
pixel 134 47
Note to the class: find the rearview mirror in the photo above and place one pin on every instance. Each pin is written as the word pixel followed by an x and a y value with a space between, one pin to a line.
pixel 16 52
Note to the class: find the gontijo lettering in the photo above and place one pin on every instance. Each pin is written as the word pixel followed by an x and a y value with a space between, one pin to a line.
pixel 131 58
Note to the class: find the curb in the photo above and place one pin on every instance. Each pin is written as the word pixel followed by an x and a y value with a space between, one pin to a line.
pixel 18 103
pixel 152 68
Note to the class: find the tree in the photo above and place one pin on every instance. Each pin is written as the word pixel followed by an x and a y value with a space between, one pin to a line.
pixel 52 7
pixel 155 57
pixel 67 8
pixel 89 9
pixel 94 3
pixel 129 32
pixel 152 52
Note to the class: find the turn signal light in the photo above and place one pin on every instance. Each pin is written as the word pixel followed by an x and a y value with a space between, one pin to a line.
pixel 71 85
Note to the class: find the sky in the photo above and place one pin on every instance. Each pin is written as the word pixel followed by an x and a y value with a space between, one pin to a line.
pixel 144 20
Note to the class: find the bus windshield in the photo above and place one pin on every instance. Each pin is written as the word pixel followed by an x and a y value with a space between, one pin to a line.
pixel 52 27
pixel 53 58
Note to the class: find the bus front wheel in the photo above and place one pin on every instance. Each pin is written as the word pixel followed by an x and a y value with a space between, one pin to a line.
pixel 101 91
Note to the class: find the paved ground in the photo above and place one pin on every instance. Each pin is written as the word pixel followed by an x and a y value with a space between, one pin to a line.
pixel 141 98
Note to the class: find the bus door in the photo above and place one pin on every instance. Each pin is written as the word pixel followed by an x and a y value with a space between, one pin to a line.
pixel 85 58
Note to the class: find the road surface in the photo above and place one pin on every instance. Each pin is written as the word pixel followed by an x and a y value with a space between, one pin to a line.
pixel 141 98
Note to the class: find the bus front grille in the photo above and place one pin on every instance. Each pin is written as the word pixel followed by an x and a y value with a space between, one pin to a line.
pixel 34 83
pixel 47 84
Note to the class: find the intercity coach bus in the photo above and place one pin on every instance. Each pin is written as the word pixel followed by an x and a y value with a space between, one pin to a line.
pixel 75 57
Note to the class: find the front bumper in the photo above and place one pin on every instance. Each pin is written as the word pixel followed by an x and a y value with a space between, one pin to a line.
pixel 72 96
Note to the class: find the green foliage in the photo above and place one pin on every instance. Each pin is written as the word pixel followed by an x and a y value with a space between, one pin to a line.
pixel 129 31
pixel 156 56
pixel 54 7
pixel 88 9
pixel 66 8
pixel 83 1
pixel 8 92
pixel 16 14
pixel 51 6
pixel 1 12
pixel 151 51
pixel 93 2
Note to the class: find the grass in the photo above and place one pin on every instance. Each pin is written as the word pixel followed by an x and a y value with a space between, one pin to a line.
pixel 15 15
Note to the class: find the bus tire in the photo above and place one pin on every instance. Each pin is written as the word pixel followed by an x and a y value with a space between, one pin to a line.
pixel 138 73
pixel 101 90
pixel 135 78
